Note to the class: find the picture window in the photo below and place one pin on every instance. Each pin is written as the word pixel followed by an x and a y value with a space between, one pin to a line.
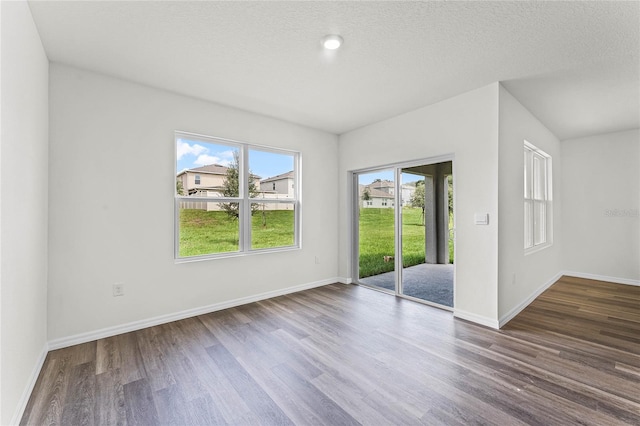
pixel 229 211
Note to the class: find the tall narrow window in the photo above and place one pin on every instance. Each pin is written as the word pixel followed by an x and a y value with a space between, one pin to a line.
pixel 221 205
pixel 537 198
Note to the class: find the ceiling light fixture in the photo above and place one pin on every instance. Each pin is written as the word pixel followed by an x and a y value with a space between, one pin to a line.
pixel 332 41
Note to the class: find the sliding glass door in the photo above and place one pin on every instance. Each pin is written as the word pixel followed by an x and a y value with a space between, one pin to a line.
pixel 405 231
pixel 427 222
pixel 376 229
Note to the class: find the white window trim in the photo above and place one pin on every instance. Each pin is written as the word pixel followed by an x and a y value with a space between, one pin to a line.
pixel 548 200
pixel 244 226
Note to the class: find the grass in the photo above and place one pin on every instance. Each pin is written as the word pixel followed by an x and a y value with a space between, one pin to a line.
pixel 376 240
pixel 203 232
pixel 278 232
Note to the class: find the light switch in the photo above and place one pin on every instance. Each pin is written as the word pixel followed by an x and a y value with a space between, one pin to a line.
pixel 481 218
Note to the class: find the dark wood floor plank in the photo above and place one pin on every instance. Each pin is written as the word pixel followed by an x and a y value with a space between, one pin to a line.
pixel 313 398
pixel 282 395
pixel 110 401
pixel 266 411
pixel 182 368
pixel 79 410
pixel 49 395
pixel 174 409
pixel 139 404
pixel 150 342
pixel 348 355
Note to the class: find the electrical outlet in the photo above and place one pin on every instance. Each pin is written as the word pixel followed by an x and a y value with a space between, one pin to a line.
pixel 118 289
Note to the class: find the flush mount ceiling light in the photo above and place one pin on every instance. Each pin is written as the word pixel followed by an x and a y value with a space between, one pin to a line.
pixel 332 41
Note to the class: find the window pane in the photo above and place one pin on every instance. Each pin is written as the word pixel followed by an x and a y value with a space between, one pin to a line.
pixel 528 224
pixel 205 228
pixel 272 225
pixel 540 177
pixel 206 169
pixel 376 228
pixel 539 223
pixel 275 177
pixel 527 173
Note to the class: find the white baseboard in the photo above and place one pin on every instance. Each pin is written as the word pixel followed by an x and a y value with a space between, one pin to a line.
pixel 475 318
pixel 26 393
pixel 163 319
pixel 343 280
pixel 517 309
pixel 616 280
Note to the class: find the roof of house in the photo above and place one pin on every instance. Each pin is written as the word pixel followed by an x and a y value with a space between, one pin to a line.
pixel 382 184
pixel 374 193
pixel 211 169
pixel 288 175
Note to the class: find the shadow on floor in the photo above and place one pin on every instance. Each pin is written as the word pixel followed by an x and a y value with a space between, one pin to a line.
pixel 433 283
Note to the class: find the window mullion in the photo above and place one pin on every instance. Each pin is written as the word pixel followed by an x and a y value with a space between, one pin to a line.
pixel 245 193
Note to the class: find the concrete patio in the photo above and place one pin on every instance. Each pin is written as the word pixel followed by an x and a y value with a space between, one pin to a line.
pixel 430 282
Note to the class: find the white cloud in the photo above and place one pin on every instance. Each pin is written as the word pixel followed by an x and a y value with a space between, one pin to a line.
pixel 226 157
pixel 205 160
pixel 184 148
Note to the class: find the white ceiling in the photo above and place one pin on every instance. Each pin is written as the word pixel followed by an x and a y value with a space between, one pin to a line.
pixel 575 65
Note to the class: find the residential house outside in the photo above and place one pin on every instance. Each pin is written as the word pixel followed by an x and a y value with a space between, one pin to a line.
pixel 383 185
pixel 202 179
pixel 381 194
pixel 205 181
pixel 408 189
pixel 281 185
pixel 208 181
pixel 375 198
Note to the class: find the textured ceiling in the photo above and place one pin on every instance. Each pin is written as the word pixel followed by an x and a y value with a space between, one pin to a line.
pixel 575 65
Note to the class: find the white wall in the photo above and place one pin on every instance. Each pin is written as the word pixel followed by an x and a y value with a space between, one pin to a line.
pixel 601 187
pixel 104 230
pixel 521 276
pixel 23 224
pixel 466 126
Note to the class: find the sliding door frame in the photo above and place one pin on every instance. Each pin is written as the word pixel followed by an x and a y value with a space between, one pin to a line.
pixel 355 223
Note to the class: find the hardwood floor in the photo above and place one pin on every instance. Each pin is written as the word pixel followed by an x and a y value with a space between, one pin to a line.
pixel 342 355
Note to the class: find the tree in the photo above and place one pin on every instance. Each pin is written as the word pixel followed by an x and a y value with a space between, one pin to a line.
pixel 366 195
pixel 450 193
pixel 231 188
pixel 417 199
pixel 179 187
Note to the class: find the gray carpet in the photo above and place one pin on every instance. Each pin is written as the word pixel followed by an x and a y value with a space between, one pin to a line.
pixel 433 283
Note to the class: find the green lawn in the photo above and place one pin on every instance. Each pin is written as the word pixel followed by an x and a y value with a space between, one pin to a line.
pixel 203 232
pixel 376 240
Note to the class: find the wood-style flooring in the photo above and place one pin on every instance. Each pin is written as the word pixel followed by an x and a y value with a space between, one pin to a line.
pixel 342 355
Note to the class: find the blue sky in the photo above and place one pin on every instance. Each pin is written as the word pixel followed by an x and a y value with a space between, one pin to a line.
pixel 194 153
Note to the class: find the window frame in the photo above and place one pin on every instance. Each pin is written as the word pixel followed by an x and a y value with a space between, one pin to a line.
pixel 533 199
pixel 244 200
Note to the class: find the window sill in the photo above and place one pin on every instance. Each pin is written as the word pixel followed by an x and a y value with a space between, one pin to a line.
pixel 537 248
pixel 202 258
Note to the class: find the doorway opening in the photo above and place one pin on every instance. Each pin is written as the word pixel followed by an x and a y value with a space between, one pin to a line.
pixel 404 217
